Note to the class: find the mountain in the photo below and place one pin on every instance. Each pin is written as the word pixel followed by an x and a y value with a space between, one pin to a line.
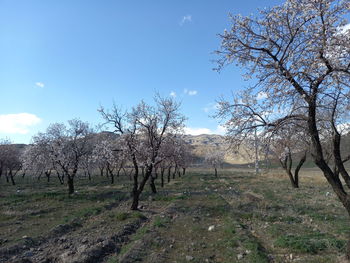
pixel 204 143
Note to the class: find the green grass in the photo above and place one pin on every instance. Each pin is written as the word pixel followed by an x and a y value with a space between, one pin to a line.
pixel 282 220
pixel 310 243
pixel 161 221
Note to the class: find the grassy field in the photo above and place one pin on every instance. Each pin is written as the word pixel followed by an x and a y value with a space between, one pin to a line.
pixel 238 217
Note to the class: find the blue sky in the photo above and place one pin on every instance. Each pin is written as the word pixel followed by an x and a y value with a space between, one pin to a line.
pixel 62 59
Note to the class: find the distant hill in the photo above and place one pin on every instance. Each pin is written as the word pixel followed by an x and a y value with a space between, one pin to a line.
pixel 204 143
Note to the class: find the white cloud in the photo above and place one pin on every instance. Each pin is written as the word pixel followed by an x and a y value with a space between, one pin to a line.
pixel 186 19
pixel 345 28
pixel 198 131
pixel 190 92
pixel 211 107
pixel 173 94
pixel 220 130
pixel 261 95
pixel 17 123
pixel 344 127
pixel 40 84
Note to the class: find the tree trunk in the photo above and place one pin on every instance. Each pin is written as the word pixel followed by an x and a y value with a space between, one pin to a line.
pixel 135 200
pixel 287 166
pixel 175 171
pixel 11 177
pixel 47 173
pixel 153 185
pixel 61 179
pixel 169 173
pixel 183 171
pixel 162 177
pixel 297 169
pixel 137 189
pixel 39 177
pixel 135 193
pixel 293 182
pixel 70 182
pixel 112 178
pixel 320 161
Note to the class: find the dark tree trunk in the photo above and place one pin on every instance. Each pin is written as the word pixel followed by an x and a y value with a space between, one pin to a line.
pixel 101 171
pixel 118 172
pixel 70 183
pixel 39 177
pixel 169 173
pixel 183 171
pixel 48 173
pixel 216 172
pixel 112 178
pixel 135 193
pixel 61 179
pixel 337 158
pixel 287 166
pixel 153 185
pixel 320 161
pixel 162 177
pixel 135 200
pixel 297 169
pixel 137 189
pixel 175 171
pixel 12 178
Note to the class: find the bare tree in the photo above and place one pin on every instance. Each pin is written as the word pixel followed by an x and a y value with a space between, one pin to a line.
pixel 215 158
pixel 290 143
pixel 299 53
pixel 4 147
pixel 10 160
pixel 144 129
pixel 110 153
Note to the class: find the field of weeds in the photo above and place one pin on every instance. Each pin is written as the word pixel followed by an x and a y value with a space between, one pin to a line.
pixel 237 217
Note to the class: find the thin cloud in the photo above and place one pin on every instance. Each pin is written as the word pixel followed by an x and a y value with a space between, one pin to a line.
pixel 18 123
pixel 190 92
pixel 39 84
pixel 173 94
pixel 186 19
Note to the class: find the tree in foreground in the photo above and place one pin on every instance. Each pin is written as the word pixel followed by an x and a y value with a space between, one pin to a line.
pixel 299 53
pixel 144 130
